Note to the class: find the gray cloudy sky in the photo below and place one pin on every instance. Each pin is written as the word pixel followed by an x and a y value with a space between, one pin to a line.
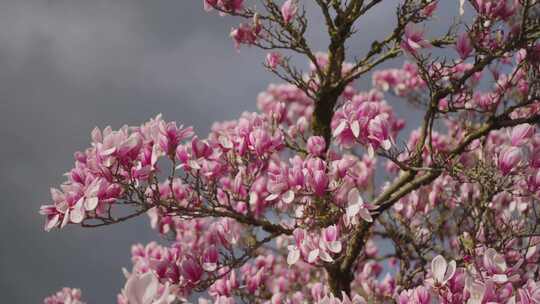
pixel 69 65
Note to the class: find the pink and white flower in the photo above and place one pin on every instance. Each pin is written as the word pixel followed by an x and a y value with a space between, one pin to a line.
pixel 288 10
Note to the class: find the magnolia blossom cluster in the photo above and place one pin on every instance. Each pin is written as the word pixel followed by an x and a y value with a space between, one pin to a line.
pixel 402 82
pixel 65 296
pixel 487 277
pixel 104 172
pixel 149 282
pixel 512 153
pixel 288 104
pixel 318 198
pixel 368 120
pixel 250 33
pixel 245 161
pixel 496 17
pixel 199 250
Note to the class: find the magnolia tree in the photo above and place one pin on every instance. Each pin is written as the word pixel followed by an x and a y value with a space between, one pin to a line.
pixel 318 198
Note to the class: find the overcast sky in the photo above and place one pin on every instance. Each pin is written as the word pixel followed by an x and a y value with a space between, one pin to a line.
pixel 69 65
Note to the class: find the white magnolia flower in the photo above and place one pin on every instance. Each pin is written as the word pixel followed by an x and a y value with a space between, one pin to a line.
pixel 441 270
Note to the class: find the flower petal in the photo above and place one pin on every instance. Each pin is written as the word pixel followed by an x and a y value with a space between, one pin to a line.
pixel 288 197
pixel 293 256
pixel 438 268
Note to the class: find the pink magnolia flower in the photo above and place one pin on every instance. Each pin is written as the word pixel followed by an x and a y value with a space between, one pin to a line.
pixel 476 291
pixel 224 286
pixel 225 5
pixel 430 9
pixel 254 281
pixel 413 40
pixel 495 264
pixel 246 34
pixel 330 238
pixel 260 141
pixel 288 10
pixel 356 208
pixel 316 145
pixel 379 132
pixel 419 295
pixel 530 293
pixel 171 135
pixel 209 4
pixel 280 185
pixel 116 146
pixel 210 258
pixel 464 46
pixel 520 134
pixel 191 270
pixel 294 250
pixel 318 180
pixel 311 247
pixel 200 149
pixel 273 60
pixel 508 158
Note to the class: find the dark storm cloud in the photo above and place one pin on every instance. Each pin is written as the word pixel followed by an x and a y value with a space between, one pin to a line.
pixel 69 65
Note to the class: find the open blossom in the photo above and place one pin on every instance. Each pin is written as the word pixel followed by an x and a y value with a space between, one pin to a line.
pixel 508 158
pixel 316 145
pixel 273 60
pixel 495 265
pixel 191 270
pixel 520 134
pixel 313 247
pixel 330 237
pixel 246 33
pixel 413 39
pixel 357 207
pixel 172 135
pixel 476 291
pixel 315 176
pixel 379 129
pixel 288 10
pixel 419 295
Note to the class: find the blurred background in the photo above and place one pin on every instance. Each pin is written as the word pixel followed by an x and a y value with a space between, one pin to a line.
pixel 69 65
